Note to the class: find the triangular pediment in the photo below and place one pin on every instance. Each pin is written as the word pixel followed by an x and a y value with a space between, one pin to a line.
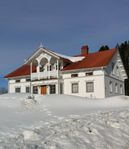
pixel 40 53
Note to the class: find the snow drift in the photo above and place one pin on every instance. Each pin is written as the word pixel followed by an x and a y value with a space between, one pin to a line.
pixel 60 122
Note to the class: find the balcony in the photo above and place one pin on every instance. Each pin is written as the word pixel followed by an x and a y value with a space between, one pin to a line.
pixel 44 75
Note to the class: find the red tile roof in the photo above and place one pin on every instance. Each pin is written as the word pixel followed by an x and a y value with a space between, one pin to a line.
pixel 92 60
pixel 21 71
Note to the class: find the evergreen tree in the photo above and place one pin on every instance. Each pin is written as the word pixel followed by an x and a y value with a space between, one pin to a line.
pixel 103 48
pixel 124 52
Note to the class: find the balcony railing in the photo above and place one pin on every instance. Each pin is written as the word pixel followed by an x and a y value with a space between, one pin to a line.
pixel 44 75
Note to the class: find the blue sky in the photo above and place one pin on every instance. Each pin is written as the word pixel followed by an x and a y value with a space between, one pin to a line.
pixel 61 25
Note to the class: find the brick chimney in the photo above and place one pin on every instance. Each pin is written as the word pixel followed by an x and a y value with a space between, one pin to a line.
pixel 84 49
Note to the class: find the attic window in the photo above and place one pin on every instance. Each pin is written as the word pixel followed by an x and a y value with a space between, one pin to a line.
pixel 17 81
pixel 89 73
pixel 28 80
pixel 74 75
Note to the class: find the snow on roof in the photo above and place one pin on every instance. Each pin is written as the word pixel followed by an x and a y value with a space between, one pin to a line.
pixel 71 58
pixel 90 60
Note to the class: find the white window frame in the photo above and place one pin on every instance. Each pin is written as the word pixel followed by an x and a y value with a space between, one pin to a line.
pixel 17 81
pixel 26 89
pixel 116 88
pixel 17 88
pixel 52 89
pixel 75 88
pixel 121 89
pixel 35 89
pixel 90 87
pixel 110 87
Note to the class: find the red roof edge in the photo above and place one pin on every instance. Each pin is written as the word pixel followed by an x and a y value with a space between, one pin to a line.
pixel 24 70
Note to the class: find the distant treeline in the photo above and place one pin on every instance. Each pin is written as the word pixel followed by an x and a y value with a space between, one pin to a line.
pixel 124 52
pixel 3 90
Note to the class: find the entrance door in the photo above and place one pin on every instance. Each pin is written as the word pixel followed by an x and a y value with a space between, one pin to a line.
pixel 43 89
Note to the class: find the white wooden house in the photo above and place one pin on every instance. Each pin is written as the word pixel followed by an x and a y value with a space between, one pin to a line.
pixel 98 74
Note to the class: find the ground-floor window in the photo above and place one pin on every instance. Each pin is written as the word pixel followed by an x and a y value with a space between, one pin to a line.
pixel 52 89
pixel 27 89
pixel 74 87
pixel 116 88
pixel 110 86
pixel 17 90
pixel 61 88
pixel 89 86
pixel 121 89
pixel 35 90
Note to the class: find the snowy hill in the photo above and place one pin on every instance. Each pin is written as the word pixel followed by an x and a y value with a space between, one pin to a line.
pixel 63 122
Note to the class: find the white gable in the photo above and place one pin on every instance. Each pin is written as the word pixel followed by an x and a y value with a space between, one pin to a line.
pixel 41 50
pixel 116 68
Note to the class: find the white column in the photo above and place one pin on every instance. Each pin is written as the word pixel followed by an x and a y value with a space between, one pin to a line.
pixel 48 71
pixel 58 81
pixel 39 90
pixel 38 70
pixel 57 68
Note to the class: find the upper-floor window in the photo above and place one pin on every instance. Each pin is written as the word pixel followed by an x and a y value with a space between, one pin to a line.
pixel 41 69
pixel 110 87
pixel 74 75
pixel 112 65
pixel 18 80
pixel 89 73
pixel 28 80
pixel 89 86
pixel 50 67
pixel 74 87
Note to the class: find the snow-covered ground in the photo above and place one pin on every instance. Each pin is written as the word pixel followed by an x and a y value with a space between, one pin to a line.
pixel 63 122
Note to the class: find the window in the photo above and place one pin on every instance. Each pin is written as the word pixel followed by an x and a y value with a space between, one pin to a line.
pixel 61 88
pixel 110 86
pixel 17 81
pixel 89 86
pixel 50 67
pixel 17 90
pixel 113 64
pixel 27 89
pixel 41 69
pixel 28 80
pixel 74 75
pixel 74 87
pixel 52 89
pixel 35 90
pixel 56 67
pixel 121 89
pixel 116 88
pixel 89 73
